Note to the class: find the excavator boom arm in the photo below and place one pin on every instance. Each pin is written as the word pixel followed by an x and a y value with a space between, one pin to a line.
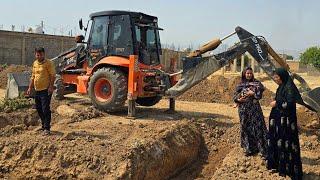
pixel 196 68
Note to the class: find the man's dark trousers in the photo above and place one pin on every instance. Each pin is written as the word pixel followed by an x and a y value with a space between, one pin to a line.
pixel 42 99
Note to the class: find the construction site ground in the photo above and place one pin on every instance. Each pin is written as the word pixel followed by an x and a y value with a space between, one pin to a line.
pixel 198 141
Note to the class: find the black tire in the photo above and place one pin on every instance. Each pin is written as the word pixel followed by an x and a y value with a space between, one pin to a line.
pixel 58 93
pixel 148 101
pixel 112 93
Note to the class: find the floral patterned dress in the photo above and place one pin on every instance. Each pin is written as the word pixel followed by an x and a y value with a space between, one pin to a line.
pixel 253 127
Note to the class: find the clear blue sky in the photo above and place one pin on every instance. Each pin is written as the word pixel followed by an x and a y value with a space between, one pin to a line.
pixel 287 24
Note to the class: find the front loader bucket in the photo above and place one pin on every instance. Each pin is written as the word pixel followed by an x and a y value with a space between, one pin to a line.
pixel 17 84
pixel 312 99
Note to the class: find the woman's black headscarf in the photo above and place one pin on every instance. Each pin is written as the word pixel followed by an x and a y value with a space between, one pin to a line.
pixel 287 86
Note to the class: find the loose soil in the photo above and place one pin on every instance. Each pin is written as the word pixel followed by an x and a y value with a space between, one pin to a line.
pixel 219 89
pixel 99 147
pixel 199 141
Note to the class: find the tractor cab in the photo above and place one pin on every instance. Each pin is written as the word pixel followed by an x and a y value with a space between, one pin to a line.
pixel 123 33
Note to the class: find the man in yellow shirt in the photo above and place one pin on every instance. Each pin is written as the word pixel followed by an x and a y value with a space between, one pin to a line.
pixel 42 80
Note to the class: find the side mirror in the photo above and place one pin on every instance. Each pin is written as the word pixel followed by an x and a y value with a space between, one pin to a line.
pixel 80 24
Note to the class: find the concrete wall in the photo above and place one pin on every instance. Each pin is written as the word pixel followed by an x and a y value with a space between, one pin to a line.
pixel 312 71
pixel 18 47
pixel 294 65
pixel 167 54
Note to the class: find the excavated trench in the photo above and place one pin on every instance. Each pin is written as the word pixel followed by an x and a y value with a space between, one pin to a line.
pixel 106 146
pixel 89 144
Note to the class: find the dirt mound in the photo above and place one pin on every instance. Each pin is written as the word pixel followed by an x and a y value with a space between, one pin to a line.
pixel 141 152
pixel 79 114
pixel 86 114
pixel 218 89
pixel 11 69
pixel 27 117
pixel 237 166
pixel 307 118
pixel 18 114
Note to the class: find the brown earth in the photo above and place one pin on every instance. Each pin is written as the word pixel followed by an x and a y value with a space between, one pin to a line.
pixel 306 117
pixel 11 69
pixel 111 146
pixel 92 152
pixel 199 141
pixel 219 89
pixel 99 147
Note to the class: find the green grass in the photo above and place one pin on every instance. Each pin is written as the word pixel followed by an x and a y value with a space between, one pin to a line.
pixel 10 105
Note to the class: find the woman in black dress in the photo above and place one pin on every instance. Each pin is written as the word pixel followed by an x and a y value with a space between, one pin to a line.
pixel 253 128
pixel 283 141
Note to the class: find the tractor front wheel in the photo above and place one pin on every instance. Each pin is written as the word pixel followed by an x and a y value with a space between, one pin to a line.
pixel 108 88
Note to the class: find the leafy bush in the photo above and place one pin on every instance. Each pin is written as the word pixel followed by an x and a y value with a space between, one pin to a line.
pixel 9 105
pixel 3 66
pixel 311 56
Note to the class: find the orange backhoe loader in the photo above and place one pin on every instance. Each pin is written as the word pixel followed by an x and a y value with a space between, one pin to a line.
pixel 120 60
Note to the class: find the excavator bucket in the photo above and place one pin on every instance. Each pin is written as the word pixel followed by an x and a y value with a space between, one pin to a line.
pixel 195 69
pixel 17 84
pixel 312 99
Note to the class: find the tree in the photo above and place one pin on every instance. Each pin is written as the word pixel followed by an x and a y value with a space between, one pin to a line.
pixel 311 56
pixel 289 57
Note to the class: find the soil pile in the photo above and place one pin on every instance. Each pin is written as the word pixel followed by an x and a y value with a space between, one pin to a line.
pixel 100 149
pixel 27 117
pixel 86 114
pixel 308 118
pixel 219 89
pixel 237 166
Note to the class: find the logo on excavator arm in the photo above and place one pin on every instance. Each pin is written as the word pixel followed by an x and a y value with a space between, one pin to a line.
pixel 258 47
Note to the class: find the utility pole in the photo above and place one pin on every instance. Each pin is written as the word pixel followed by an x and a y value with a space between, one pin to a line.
pixel 61 31
pixel 42 27
pixel 22 28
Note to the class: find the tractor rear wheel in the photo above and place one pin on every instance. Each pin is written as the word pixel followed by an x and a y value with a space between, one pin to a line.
pixel 108 88
pixel 148 101
pixel 58 93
